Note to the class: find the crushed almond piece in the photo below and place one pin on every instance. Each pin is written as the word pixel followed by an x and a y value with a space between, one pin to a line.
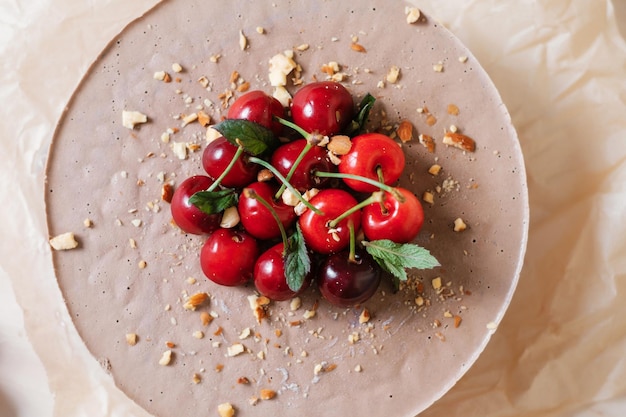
pixel 309 314
pixel 405 131
pixel 130 119
pixel 453 110
pixel 412 14
pixel 235 349
pixel 267 394
pixel 131 339
pixel 190 118
pixel 428 142
pixel 364 317
pixel 243 87
pixel 195 300
pixel 230 218
pixel 435 169
pixel 264 175
pixel 436 283
pixel 459 141
pixel 205 318
pixel 419 301
pixel 357 47
pixel 64 241
pixel 295 303
pixel 142 264
pixel 211 134
pixel 438 67
pixel 203 118
pixel 260 30
pixel 198 334
pixel 459 225
pixel 358 368
pixel 280 66
pixel 393 75
pixel 166 358
pixel 196 378
pixel 457 321
pixel 226 410
pixel 177 67
pixel 463 59
pixel 219 368
pixel 179 149
pixel 428 197
pixel 88 223
pixel 339 144
pixel 431 120
pixel 243 41
pixel 167 192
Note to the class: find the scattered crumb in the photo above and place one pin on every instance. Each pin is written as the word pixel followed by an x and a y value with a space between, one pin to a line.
pixel 64 241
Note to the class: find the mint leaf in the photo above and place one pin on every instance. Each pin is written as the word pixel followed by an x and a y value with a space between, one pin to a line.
pixel 212 202
pixel 254 138
pixel 395 258
pixel 365 106
pixel 297 261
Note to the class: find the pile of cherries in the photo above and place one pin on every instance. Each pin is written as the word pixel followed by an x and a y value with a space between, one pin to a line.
pixel 346 200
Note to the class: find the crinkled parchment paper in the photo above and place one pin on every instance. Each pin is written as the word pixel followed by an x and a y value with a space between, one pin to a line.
pixel 560 67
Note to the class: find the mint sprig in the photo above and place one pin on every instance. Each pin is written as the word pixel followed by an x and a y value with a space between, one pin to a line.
pixel 395 258
pixel 212 202
pixel 253 137
pixel 297 261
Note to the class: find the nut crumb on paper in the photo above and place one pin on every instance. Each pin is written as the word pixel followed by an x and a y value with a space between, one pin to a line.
pixel 64 241
pixel 130 119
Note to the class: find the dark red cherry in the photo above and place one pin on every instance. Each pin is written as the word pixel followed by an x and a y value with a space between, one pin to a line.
pixel 369 153
pixel 228 257
pixel 400 222
pixel 217 156
pixel 187 216
pixel 325 107
pixel 346 283
pixel 256 106
pixel 269 275
pixel 257 219
pixel 303 178
pixel 319 235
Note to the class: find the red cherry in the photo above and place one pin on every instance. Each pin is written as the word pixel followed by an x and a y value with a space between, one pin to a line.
pixel 400 222
pixel 228 257
pixel 346 283
pixel 317 233
pixel 369 153
pixel 256 106
pixel 257 219
pixel 269 275
pixel 324 107
pixel 303 177
pixel 187 216
pixel 217 156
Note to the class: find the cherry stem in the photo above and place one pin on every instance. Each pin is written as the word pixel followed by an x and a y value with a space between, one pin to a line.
pixel 282 179
pixel 293 168
pixel 250 193
pixel 379 172
pixel 391 190
pixel 376 197
pixel 230 165
pixel 352 253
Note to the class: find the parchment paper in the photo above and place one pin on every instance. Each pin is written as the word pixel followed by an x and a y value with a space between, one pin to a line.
pixel 560 67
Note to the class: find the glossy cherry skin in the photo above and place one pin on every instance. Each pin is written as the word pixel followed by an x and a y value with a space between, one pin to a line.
pixel 256 106
pixel 332 203
pixel 345 283
pixel 257 219
pixel 370 151
pixel 216 157
pixel 325 107
pixel 400 222
pixel 316 159
pixel 228 257
pixel 187 216
pixel 269 275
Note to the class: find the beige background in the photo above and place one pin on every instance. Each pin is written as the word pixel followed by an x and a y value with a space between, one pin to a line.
pixel 560 66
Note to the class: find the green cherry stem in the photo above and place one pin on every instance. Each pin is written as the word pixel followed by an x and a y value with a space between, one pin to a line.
pixel 352 253
pixel 376 197
pixel 230 165
pixel 312 139
pixel 396 194
pixel 250 193
pixel 284 181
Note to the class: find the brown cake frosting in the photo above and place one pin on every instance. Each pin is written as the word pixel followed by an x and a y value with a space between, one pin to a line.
pixel 133 284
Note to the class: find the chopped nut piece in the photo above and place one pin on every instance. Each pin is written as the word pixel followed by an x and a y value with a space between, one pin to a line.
pixel 204 119
pixel 179 149
pixel 64 241
pixel 412 14
pixel 195 300
pixel 267 394
pixel 295 303
pixel 132 118
pixel 212 134
pixel 459 225
pixel 358 368
pixel 393 74
pixel 427 142
pixel 280 66
pixel 435 169
pixel 226 410
pixel 309 314
pixel 142 264
pixel 438 67
pixel 198 334
pixel 230 218
pixel 339 144
pixel 177 67
pixel 459 141
pixel 131 339
pixel 463 59
pixel 205 318
pixel 189 119
pixel 166 358
pixel 419 301
pixel 428 197
pixel 357 47
pixel 260 30
pixel 436 283
pixel 196 378
pixel 405 131
pixel 167 192
pixel 453 109
pixel 457 321
pixel 365 316
pixel 235 349
pixel 243 41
